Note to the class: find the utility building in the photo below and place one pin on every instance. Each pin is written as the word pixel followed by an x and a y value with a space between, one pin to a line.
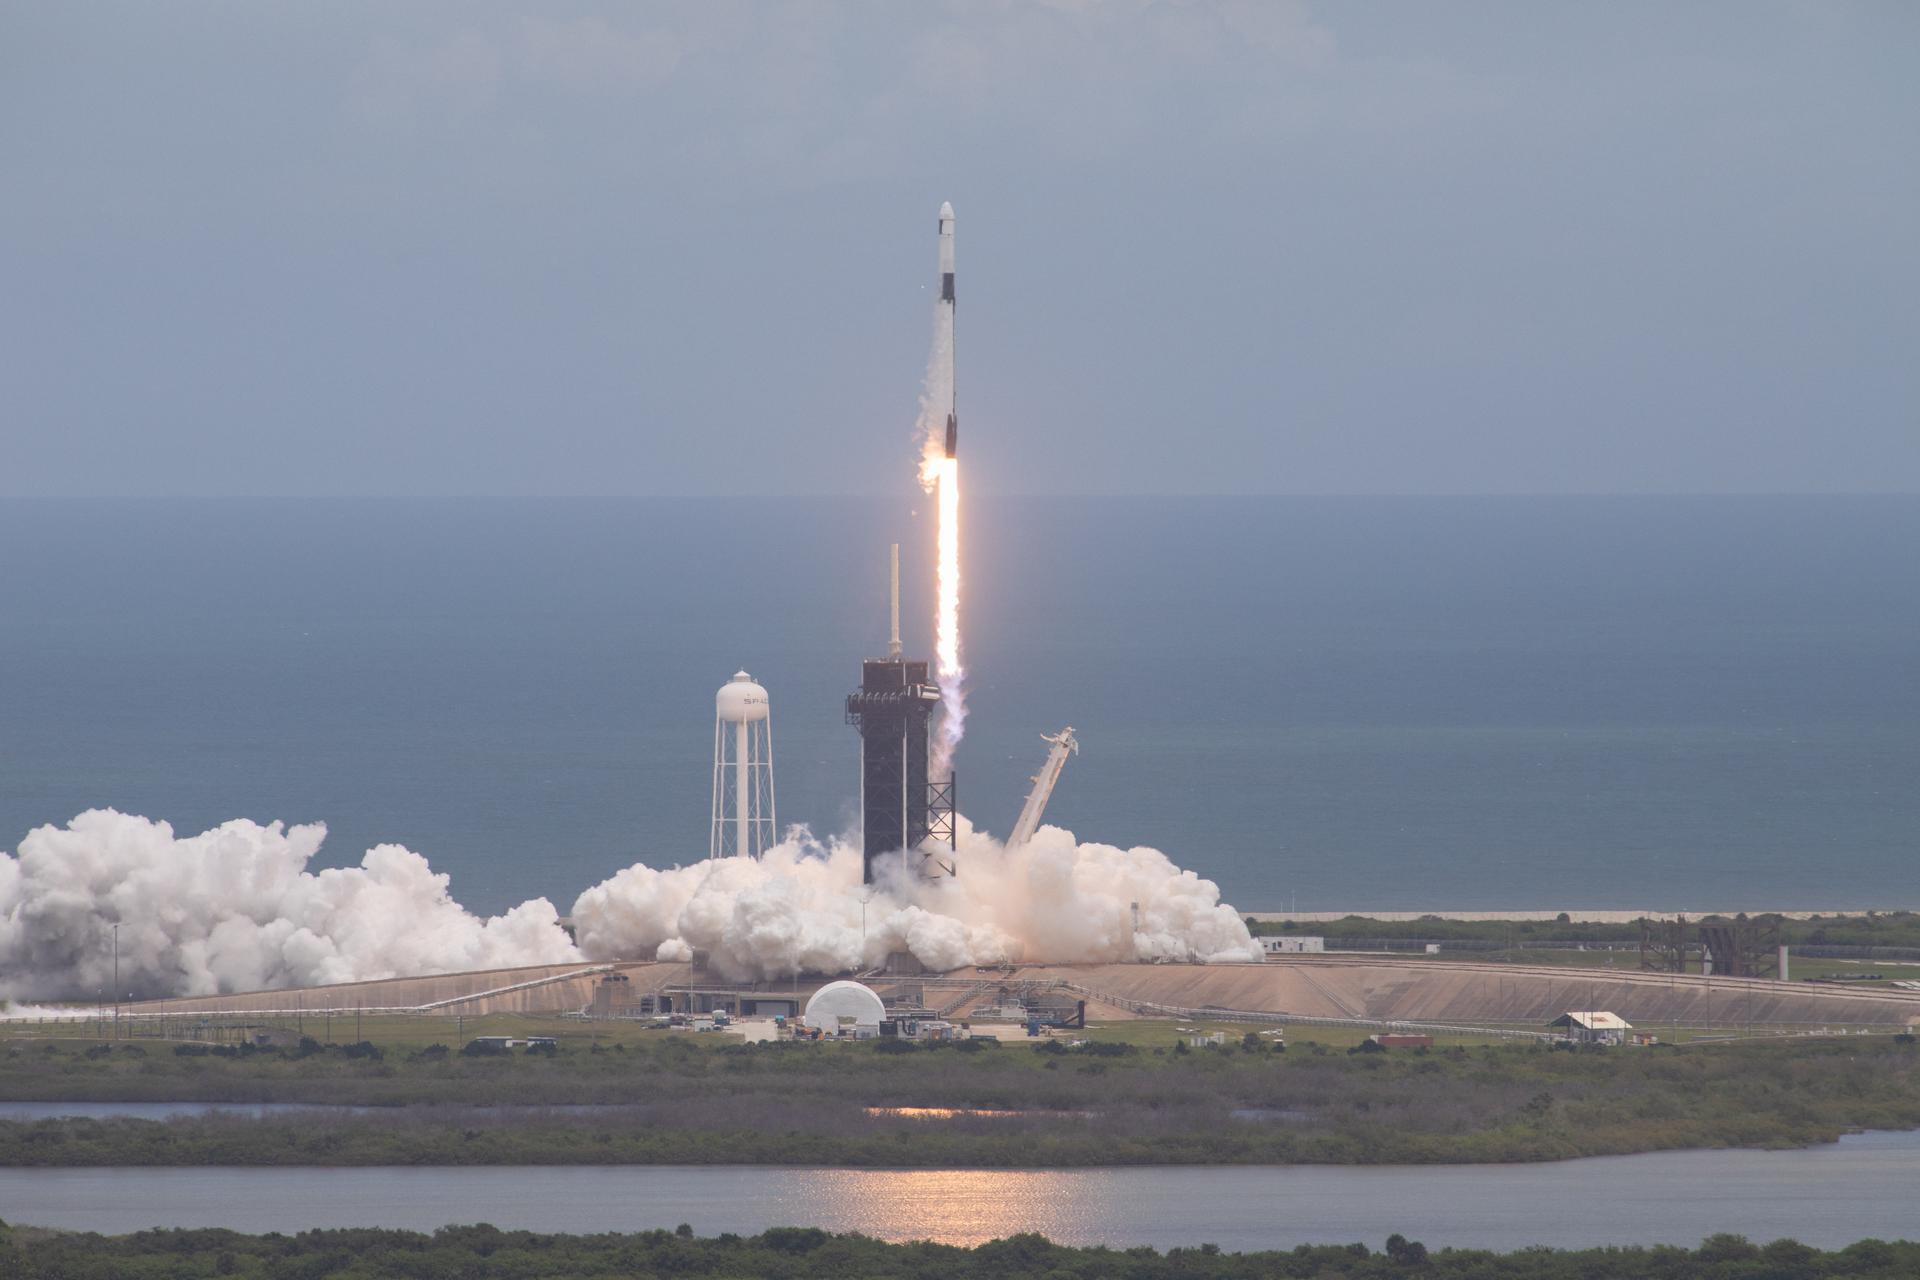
pixel 1288 944
pixel 1592 1027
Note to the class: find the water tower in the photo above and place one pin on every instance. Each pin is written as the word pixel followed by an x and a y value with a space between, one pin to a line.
pixel 743 823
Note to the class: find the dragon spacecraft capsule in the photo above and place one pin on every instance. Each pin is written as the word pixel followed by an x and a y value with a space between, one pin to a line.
pixel 946 301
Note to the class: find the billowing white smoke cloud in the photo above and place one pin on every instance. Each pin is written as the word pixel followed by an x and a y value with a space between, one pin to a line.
pixel 801 909
pixel 235 909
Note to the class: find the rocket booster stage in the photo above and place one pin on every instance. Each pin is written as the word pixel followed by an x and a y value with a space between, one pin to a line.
pixel 940 476
pixel 946 303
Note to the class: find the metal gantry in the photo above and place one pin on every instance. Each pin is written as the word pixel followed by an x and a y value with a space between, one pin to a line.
pixel 1059 746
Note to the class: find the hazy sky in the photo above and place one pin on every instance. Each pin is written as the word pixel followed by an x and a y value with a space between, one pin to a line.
pixel 625 248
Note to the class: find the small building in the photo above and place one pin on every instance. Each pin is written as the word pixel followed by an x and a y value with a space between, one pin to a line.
pixel 1276 944
pixel 1401 1040
pixel 1592 1027
pixel 613 997
pixel 1053 1011
pixel 706 1000
pixel 930 1029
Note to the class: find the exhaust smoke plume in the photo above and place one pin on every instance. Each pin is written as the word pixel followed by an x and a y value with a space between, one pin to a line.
pixel 800 909
pixel 235 909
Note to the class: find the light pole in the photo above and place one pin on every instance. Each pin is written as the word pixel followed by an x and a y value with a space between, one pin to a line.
pixel 116 979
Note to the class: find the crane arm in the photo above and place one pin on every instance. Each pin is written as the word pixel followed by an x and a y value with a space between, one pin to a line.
pixel 1059 746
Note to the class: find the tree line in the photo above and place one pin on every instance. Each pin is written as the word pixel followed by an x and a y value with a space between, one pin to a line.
pixel 803 1253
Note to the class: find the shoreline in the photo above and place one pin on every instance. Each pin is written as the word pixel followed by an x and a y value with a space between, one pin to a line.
pixel 1141 1166
pixel 1548 916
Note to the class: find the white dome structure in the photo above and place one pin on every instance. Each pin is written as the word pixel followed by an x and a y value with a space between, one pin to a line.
pixel 840 1003
pixel 743 816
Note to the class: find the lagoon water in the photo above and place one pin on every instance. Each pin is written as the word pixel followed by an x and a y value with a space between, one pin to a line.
pixel 1367 702
pixel 27 1112
pixel 31 1111
pixel 1828 1196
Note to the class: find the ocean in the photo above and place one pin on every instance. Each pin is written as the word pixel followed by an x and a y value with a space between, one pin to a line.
pixel 1328 703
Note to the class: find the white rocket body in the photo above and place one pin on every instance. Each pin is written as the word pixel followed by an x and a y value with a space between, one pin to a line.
pixel 943 322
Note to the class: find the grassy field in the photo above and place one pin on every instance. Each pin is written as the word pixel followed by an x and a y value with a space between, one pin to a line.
pixel 1129 1094
pixel 1799 967
pixel 1616 945
pixel 1876 929
pixel 1803 967
pixel 408 1034
pixel 404 1033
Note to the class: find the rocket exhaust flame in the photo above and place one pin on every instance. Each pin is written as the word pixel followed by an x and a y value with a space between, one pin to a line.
pixel 952 676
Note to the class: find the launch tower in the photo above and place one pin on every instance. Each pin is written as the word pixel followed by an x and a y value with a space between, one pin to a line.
pixel 900 808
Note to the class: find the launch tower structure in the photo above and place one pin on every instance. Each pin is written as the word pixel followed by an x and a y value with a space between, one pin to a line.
pixel 901 809
pixel 743 816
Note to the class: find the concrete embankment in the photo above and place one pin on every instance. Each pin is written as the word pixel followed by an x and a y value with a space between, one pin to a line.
pixel 1600 916
pixel 553 988
pixel 1486 994
pixel 1336 986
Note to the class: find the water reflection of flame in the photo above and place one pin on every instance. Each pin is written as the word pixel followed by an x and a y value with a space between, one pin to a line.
pixel 952 1206
pixel 955 1113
